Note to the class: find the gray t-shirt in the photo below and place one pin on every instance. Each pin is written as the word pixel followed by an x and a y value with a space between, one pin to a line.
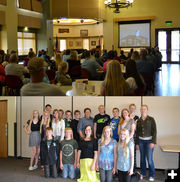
pixel 15 69
pixel 91 66
pixel 41 89
pixel 83 122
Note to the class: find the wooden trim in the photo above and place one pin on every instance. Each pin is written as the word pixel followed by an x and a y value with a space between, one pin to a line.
pixel 134 18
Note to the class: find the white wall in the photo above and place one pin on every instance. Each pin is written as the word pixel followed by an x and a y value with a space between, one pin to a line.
pixel 163 109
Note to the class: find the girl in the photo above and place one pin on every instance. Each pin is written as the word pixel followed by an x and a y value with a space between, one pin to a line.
pixel 125 153
pixel 58 127
pixel 45 122
pixel 62 75
pixel 107 155
pixel 32 128
pixel 114 83
pixel 126 122
pixel 87 156
pixel 68 155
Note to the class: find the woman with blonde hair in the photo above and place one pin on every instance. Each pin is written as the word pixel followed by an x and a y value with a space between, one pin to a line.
pixel 32 128
pixel 135 56
pixel 114 83
pixel 126 122
pixel 58 60
pixel 107 155
pixel 125 156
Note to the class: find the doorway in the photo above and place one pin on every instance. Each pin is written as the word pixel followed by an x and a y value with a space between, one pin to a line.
pixel 3 130
pixel 168 41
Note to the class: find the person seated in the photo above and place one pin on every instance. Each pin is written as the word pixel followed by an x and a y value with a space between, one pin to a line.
pixel 116 57
pixel 110 57
pixel 37 87
pixel 114 83
pixel 98 58
pixel 134 80
pixel 6 60
pixel 73 61
pixel 13 68
pixel 62 76
pixel 66 55
pixel 58 60
pixel 135 56
pixel 143 65
pixel 92 66
pixel 2 75
pixel 31 54
pixel 122 56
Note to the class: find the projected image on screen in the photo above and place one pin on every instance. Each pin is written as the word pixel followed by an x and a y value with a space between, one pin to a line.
pixel 134 35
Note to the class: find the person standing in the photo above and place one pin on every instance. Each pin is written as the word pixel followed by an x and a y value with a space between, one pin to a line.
pixel 114 123
pixel 86 120
pixel 32 128
pixel 87 157
pixel 125 153
pixel 100 121
pixel 145 140
pixel 107 155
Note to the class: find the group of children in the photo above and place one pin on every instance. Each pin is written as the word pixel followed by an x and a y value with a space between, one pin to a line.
pixel 100 149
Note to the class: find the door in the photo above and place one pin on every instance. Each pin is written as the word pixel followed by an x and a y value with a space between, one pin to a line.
pixel 3 130
pixel 168 41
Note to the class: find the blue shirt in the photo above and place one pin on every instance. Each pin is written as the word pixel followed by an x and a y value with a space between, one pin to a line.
pixel 114 124
pixel 123 162
pixel 106 156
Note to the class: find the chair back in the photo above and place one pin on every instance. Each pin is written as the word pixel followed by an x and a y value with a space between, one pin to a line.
pixel 51 75
pixel 13 82
pixel 85 74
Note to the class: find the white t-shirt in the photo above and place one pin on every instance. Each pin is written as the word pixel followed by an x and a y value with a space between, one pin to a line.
pixel 41 89
pixel 58 129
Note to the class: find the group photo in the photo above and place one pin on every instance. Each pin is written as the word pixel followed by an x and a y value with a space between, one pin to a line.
pixel 95 139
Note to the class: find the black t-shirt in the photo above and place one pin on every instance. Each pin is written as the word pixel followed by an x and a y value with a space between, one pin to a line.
pixel 87 148
pixel 34 127
pixel 102 121
pixel 73 125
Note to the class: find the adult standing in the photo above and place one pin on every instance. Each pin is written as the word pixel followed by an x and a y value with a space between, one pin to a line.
pixel 86 120
pixel 146 139
pixel 100 121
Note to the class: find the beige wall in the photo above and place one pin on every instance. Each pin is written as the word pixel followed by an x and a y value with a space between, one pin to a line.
pixel 11 119
pixel 162 10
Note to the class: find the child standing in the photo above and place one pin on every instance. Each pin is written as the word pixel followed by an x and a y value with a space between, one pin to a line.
pixel 49 154
pixel 32 128
pixel 114 123
pixel 87 156
pixel 68 155
pixel 68 118
pixel 107 155
pixel 125 153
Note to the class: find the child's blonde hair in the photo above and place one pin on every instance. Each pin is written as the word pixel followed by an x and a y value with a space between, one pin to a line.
pixel 126 143
pixel 31 120
pixel 63 67
pixel 102 136
pixel 69 129
pixel 42 121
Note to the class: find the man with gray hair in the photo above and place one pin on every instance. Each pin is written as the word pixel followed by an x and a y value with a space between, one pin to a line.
pixel 37 87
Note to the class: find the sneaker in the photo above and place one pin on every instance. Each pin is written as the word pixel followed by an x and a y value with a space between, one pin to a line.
pixel 31 168
pixel 151 179
pixel 35 167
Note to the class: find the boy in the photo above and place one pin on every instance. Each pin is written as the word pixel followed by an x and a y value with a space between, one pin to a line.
pixel 67 119
pixel 114 123
pixel 49 154
pixel 68 155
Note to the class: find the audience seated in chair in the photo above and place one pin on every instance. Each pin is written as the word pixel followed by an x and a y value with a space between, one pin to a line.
pixel 37 87
pixel 92 66
pixel 114 83
pixel 61 76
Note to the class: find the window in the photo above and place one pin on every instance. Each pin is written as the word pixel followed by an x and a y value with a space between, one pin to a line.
pixel 25 42
pixel 86 44
pixel 62 44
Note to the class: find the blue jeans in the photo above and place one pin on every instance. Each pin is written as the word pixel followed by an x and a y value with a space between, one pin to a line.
pixel 106 175
pixel 68 171
pixel 146 152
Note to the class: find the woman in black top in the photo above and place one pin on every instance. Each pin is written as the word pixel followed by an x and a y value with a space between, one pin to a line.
pixel 32 128
pixel 87 156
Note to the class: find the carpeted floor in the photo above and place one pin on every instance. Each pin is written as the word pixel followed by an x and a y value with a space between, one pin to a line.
pixel 16 170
